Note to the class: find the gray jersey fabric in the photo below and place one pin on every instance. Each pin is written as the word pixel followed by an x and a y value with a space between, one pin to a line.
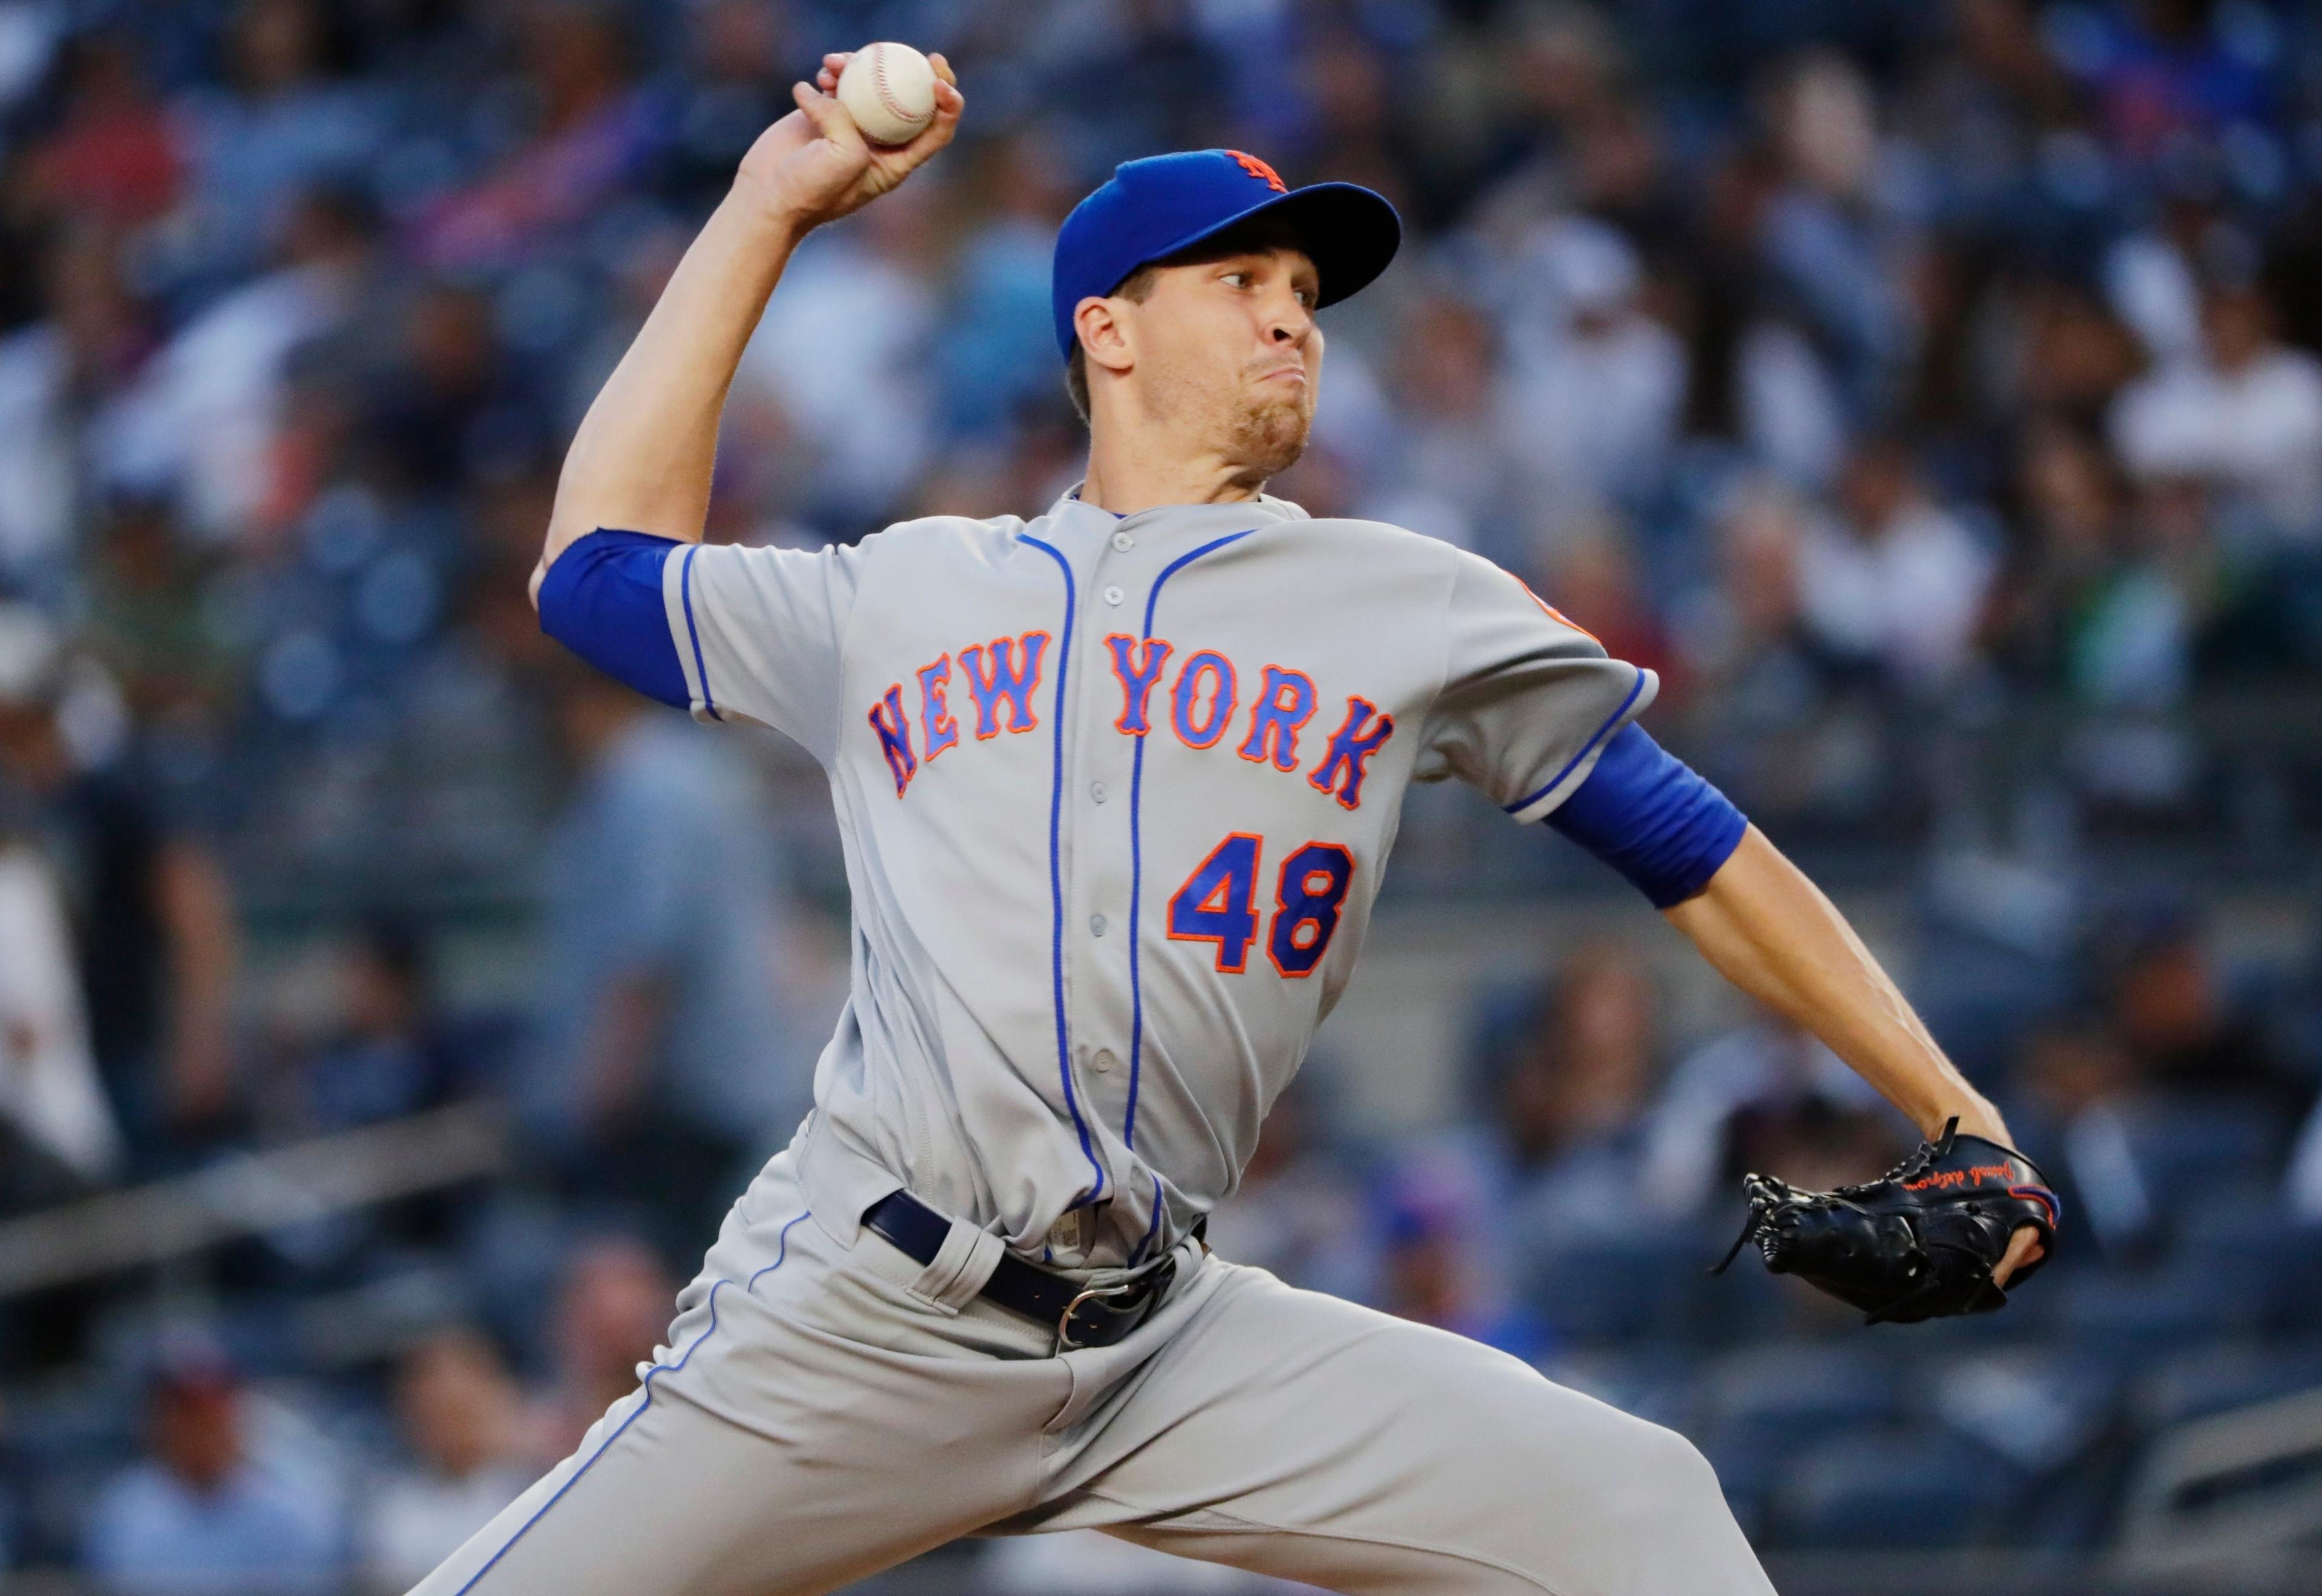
pixel 1117 794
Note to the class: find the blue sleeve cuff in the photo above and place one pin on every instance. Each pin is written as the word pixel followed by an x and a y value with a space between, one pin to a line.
pixel 603 599
pixel 1649 817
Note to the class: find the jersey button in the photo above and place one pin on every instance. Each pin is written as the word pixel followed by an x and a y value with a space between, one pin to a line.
pixel 1099 791
pixel 1114 596
pixel 1104 1060
pixel 1096 924
pixel 1122 543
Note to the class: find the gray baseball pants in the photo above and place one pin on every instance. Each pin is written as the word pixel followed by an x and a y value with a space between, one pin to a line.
pixel 822 1412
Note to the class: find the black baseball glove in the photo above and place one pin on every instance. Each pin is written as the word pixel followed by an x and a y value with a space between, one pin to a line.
pixel 1919 1244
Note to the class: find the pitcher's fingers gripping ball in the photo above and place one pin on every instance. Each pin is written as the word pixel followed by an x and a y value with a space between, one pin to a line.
pixel 890 90
pixel 1921 1243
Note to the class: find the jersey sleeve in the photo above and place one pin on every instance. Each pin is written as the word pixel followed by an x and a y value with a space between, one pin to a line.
pixel 1653 819
pixel 759 634
pixel 1529 700
pixel 601 598
pixel 729 633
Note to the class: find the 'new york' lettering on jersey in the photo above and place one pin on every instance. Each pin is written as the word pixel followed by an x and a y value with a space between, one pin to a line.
pixel 1116 795
pixel 1205 702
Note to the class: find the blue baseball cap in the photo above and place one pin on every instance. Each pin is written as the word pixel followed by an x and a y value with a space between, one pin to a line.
pixel 1153 207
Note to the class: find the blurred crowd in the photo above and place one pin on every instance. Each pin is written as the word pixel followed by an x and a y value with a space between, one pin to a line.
pixel 1895 377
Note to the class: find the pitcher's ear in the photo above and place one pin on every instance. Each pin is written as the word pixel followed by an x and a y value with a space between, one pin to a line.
pixel 1105 334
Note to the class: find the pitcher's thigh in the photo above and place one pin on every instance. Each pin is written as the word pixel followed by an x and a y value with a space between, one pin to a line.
pixel 666 1499
pixel 1310 1438
pixel 770 1455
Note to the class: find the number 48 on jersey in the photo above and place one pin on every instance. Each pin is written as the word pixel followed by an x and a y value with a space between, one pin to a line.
pixel 1218 903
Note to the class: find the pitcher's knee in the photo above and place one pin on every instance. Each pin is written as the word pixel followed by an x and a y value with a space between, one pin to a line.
pixel 1688 1474
pixel 1654 1476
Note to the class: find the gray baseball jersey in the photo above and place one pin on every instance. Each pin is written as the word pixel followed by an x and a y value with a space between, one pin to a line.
pixel 1117 794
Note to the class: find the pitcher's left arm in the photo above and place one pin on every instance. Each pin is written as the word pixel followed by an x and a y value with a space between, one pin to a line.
pixel 1767 929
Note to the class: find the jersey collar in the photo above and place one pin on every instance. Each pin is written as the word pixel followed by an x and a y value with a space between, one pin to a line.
pixel 1171 520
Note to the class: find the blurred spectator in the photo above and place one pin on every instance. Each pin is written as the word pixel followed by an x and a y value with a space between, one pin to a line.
pixel 114 158
pixel 736 84
pixel 59 1122
pixel 152 912
pixel 1442 1260
pixel 444 407
pixel 392 1054
pixel 1899 583
pixel 1296 1213
pixel 1451 478
pixel 1002 358
pixel 2070 545
pixel 147 624
pixel 52 375
pixel 203 1516
pixel 201 427
pixel 2303 1186
pixel 2167 1000
pixel 2163 69
pixel 593 131
pixel 841 354
pixel 1746 623
pixel 2081 1087
pixel 1765 1098
pixel 1831 236
pixel 1595 385
pixel 1592 574
pixel 2247 418
pixel 664 1064
pixel 2071 359
pixel 458 1412
pixel 1570 1110
pixel 612 1305
pixel 286 122
pixel 60 1133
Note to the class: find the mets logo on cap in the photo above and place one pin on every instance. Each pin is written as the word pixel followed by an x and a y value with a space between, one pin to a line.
pixel 1260 170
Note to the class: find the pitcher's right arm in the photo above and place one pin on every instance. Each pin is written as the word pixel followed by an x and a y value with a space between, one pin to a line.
pixel 641 459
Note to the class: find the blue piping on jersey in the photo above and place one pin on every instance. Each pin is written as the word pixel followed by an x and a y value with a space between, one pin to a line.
pixel 1057 876
pixel 1586 748
pixel 781 1252
pixel 1160 1206
pixel 685 591
pixel 1136 853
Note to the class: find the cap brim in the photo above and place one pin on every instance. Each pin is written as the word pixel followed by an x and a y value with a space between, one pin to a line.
pixel 1348 232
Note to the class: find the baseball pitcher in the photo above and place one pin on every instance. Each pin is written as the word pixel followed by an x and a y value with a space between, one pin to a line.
pixel 1118 785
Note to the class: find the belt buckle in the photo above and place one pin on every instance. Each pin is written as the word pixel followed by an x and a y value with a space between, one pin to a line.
pixel 1097 1294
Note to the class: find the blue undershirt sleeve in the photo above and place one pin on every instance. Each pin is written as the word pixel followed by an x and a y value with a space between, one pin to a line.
pixel 1649 815
pixel 603 599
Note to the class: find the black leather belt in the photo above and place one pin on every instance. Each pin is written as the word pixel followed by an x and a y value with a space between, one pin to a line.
pixel 1081 1314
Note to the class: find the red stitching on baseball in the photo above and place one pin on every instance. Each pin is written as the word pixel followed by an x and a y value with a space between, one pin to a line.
pixel 879 82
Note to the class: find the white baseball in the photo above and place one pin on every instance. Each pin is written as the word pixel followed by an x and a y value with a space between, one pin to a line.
pixel 890 90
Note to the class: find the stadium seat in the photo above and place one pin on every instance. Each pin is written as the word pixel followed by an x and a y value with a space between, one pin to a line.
pixel 1760 1408
pixel 1979 998
pixel 2038 1407
pixel 1888 1490
pixel 2192 1143
pixel 62 1445
pixel 2255 1252
pixel 2215 1379
pixel 1605 1290
pixel 2130 1318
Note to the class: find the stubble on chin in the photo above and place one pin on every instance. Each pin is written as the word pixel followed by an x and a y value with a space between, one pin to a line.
pixel 1269 433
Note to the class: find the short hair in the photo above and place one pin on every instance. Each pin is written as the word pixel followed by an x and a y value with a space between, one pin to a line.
pixel 1259 233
